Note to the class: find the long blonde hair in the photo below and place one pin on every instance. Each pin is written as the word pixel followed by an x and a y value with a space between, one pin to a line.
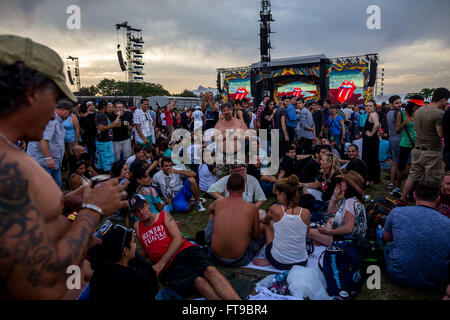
pixel 335 167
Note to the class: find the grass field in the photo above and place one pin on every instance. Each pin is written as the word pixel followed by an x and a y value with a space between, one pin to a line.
pixel 195 221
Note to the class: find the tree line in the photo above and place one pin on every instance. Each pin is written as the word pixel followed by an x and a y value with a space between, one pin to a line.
pixel 111 87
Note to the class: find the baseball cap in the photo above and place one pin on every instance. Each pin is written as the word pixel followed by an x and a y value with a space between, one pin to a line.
pixel 89 103
pixel 35 56
pixel 197 107
pixel 136 202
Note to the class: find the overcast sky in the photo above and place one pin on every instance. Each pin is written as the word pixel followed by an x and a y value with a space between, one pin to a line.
pixel 186 40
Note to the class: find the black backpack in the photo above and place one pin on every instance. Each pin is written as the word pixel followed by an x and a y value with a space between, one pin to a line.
pixel 247 118
pixel 377 212
pixel 341 267
pixel 370 254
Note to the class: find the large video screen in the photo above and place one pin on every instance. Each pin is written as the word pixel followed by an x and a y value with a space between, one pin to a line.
pixel 239 89
pixel 346 86
pixel 298 89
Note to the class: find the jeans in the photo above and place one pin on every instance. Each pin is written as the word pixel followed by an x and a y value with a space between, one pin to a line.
pixel 56 175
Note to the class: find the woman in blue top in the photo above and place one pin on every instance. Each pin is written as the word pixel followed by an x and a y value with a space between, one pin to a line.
pixel 72 134
pixel 336 127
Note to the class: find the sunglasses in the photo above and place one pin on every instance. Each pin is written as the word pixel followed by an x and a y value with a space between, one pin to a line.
pixel 132 231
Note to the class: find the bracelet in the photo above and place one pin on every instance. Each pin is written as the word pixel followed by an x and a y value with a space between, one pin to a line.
pixel 333 198
pixel 48 158
pixel 93 208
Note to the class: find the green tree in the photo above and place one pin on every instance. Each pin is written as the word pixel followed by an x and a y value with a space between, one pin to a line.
pixel 427 93
pixel 107 87
pixel 87 91
pixel 409 95
pixel 185 93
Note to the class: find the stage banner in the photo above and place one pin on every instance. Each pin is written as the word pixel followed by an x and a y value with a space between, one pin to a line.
pixel 348 83
pixel 237 86
pixel 308 91
pixel 308 71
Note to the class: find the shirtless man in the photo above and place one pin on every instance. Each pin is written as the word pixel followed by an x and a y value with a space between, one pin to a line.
pixel 228 122
pixel 37 242
pixel 233 230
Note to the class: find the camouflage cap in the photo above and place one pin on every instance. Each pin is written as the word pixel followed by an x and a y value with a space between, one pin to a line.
pixel 35 56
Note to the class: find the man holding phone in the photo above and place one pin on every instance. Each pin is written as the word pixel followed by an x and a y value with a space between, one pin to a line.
pixel 121 134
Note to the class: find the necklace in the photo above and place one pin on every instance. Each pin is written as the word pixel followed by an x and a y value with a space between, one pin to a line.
pixel 7 141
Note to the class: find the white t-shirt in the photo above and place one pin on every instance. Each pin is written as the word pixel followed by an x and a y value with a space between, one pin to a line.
pixel 171 184
pixel 252 122
pixel 348 113
pixel 206 177
pixel 197 115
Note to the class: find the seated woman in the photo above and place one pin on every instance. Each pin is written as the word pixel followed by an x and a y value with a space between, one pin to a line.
pixel 120 171
pixel 77 178
pixel 141 183
pixel 286 236
pixel 120 274
pixel 349 214
pixel 327 181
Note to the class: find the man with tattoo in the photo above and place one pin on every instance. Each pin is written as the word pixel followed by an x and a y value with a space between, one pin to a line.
pixel 37 242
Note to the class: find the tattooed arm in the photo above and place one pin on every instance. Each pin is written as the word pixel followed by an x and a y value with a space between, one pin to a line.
pixel 32 265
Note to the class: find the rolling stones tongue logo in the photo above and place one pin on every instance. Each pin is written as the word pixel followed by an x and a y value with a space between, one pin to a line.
pixel 297 92
pixel 240 93
pixel 346 91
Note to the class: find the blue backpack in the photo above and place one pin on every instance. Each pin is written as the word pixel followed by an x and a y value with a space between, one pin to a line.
pixel 342 270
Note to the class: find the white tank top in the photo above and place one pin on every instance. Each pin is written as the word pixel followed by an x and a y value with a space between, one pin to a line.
pixel 289 243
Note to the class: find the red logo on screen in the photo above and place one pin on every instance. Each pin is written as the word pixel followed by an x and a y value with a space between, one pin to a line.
pixel 297 92
pixel 346 91
pixel 240 93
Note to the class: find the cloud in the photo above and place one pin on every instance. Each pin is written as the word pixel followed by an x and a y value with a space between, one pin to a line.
pixel 187 40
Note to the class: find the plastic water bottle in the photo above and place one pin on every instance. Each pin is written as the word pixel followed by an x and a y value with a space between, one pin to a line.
pixel 379 235
pixel 281 276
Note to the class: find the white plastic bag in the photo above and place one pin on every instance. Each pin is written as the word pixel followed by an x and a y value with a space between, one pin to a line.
pixel 307 283
pixel 267 282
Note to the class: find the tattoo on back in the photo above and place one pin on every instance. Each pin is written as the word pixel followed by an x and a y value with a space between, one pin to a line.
pixel 22 238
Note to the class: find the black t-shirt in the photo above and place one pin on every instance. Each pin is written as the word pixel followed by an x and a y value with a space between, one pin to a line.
pixel 359 166
pixel 287 165
pixel 115 282
pixel 310 171
pixel 106 135
pixel 121 133
pixel 88 127
pixel 211 119
pixel 254 171
pixel 319 120
pixel 264 123
pixel 278 114
pixel 328 187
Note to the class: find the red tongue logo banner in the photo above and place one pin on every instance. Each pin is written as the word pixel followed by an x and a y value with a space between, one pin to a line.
pixel 297 92
pixel 241 93
pixel 346 91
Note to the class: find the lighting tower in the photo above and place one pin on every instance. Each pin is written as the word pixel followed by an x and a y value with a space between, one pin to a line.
pixel 265 45
pixel 134 52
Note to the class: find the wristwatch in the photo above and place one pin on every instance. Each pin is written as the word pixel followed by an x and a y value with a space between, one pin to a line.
pixel 93 208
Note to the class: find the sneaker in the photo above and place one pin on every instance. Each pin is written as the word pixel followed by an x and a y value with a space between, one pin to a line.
pixel 397 194
pixel 202 200
pixel 200 207
pixel 390 186
pixel 395 191
pixel 401 203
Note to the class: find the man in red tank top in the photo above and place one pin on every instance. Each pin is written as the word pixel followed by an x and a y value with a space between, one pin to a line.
pixel 176 261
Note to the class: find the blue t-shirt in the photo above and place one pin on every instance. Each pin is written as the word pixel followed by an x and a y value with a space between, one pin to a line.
pixel 421 247
pixel 335 125
pixel 383 154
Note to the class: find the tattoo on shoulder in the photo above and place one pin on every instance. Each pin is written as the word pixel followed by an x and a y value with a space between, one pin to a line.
pixel 22 238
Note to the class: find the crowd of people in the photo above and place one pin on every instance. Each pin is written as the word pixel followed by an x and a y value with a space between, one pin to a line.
pixel 329 156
